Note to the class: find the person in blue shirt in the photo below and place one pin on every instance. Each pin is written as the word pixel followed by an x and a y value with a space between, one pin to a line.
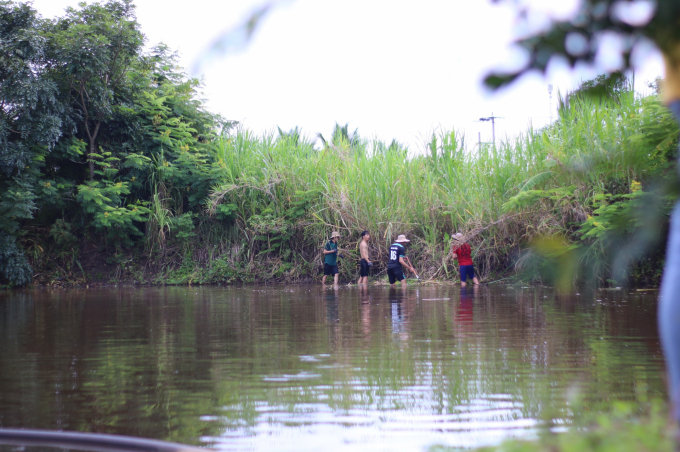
pixel 330 260
pixel 669 300
pixel 397 259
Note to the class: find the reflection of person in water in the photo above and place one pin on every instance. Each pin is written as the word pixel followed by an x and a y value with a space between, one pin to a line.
pixel 332 315
pixel 463 319
pixel 397 318
pixel 365 300
pixel 466 306
pixel 400 307
pixel 397 294
pixel 364 295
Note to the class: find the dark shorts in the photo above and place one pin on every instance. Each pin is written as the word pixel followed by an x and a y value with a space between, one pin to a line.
pixel 363 271
pixel 330 269
pixel 395 274
pixel 467 271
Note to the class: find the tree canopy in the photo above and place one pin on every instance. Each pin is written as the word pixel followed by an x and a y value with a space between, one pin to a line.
pixel 580 38
pixel 87 120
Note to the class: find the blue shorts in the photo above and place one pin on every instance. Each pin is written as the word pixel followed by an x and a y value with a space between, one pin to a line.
pixel 330 269
pixel 395 274
pixel 467 271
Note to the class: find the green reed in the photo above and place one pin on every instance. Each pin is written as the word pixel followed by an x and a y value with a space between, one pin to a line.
pixel 283 181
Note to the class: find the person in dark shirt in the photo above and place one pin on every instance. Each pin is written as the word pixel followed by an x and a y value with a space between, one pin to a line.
pixel 330 260
pixel 462 252
pixel 397 258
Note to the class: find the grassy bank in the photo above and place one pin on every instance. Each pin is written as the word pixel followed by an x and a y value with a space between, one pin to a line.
pixel 550 206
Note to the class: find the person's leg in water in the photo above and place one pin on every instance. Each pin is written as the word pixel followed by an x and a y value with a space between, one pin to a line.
pixel 396 275
pixel 464 273
pixel 390 277
pixel 363 272
pixel 475 280
pixel 669 302
pixel 331 270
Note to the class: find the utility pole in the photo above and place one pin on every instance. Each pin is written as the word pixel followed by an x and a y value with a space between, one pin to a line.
pixel 479 140
pixel 492 118
pixel 550 88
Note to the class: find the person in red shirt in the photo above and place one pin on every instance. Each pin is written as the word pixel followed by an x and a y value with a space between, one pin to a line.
pixel 462 252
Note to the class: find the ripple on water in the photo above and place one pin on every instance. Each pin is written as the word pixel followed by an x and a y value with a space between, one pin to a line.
pixel 284 378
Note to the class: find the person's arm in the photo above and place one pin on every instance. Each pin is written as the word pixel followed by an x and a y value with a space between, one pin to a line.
pixel 327 251
pixel 403 260
pixel 413 269
pixel 455 256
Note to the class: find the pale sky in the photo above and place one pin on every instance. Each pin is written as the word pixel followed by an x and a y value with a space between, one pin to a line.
pixel 391 68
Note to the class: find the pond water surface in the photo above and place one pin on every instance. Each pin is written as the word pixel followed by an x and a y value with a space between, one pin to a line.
pixel 306 368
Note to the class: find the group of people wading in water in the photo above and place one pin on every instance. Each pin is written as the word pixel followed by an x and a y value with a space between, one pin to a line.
pixel 397 259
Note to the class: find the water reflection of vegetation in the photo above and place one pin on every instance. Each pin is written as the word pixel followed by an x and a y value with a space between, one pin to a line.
pixel 623 428
pixel 185 364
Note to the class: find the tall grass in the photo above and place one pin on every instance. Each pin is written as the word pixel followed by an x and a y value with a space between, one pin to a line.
pixel 286 189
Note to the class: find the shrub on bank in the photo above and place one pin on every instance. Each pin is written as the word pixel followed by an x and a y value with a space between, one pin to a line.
pixel 622 429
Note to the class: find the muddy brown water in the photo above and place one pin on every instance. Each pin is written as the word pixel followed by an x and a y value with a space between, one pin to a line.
pixel 300 368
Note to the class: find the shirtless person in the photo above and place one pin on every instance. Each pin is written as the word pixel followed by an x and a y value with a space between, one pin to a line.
pixel 365 261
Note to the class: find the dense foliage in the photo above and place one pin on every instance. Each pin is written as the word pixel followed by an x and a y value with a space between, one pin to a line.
pixel 112 169
pixel 89 129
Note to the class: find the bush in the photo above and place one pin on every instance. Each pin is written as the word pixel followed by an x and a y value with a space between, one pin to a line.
pixel 14 266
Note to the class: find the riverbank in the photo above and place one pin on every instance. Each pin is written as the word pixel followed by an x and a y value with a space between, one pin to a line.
pixel 586 199
pixel 194 199
pixel 167 192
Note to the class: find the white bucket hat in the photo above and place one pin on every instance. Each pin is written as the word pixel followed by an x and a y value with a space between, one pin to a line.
pixel 402 239
pixel 335 234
